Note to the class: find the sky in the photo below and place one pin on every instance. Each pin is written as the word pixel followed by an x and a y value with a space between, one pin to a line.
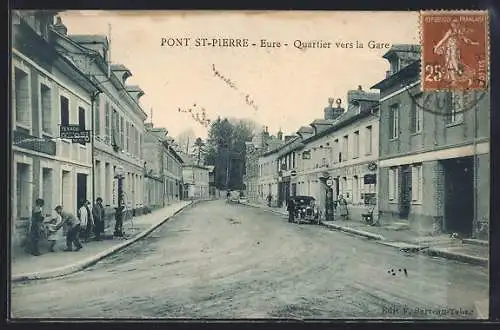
pixel 289 87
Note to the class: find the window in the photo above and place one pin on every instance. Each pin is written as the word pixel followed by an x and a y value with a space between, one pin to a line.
pixel 456 107
pixel 22 97
pixel 393 183
pixel 128 137
pixel 416 115
pixel 64 111
pixel 115 138
pixel 107 122
pixel 355 151
pixel 46 108
pixel 97 114
pixel 122 134
pixel 395 65
pixel 368 142
pixel 416 183
pixel 345 147
pixel 336 146
pixel 394 121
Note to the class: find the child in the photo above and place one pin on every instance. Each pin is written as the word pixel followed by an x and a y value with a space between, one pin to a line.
pixel 55 232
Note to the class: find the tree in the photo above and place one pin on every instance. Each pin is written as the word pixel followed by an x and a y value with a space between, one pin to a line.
pixel 226 150
pixel 185 140
pixel 199 152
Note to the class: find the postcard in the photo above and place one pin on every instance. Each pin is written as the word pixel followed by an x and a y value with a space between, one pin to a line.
pixel 250 165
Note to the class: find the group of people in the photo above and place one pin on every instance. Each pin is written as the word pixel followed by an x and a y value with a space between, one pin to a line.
pixel 63 223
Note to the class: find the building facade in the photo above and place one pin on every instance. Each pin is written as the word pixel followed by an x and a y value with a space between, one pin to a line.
pixel 434 156
pixel 345 151
pixel 118 120
pixel 162 169
pixel 260 143
pixel 268 176
pixel 47 91
pixel 195 179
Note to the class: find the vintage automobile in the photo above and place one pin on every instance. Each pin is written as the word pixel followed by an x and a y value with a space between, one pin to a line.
pixel 306 209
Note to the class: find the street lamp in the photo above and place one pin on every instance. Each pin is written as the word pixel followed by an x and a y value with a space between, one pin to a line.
pixel 119 175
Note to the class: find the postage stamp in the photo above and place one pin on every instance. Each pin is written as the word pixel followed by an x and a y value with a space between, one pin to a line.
pixel 455 50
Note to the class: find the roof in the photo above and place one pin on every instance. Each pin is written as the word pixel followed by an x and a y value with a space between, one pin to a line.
pixel 403 51
pixel 347 118
pixel 89 39
pixel 411 71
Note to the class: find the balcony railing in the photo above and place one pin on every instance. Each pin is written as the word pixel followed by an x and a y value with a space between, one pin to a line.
pixel 30 142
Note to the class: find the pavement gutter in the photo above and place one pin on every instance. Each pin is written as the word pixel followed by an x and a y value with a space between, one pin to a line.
pixel 76 267
pixel 433 252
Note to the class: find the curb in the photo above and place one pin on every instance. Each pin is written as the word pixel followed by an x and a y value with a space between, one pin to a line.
pixel 458 257
pixel 355 231
pixel 67 270
pixel 476 242
pixel 433 252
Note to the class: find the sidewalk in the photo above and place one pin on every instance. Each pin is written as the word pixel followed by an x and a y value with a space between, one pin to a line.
pixel 401 237
pixel 59 263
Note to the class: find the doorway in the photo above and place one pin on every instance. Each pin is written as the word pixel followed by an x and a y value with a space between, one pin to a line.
pixel 405 192
pixel 458 195
pixel 294 189
pixel 81 188
pixel 337 188
pixel 355 190
pixel 23 193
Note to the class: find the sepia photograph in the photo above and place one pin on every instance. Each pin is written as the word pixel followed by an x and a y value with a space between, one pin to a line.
pixel 297 165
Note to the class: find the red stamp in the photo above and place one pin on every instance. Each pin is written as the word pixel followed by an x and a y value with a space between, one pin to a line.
pixel 455 50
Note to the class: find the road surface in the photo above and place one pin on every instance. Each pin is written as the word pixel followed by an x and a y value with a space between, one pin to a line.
pixel 219 260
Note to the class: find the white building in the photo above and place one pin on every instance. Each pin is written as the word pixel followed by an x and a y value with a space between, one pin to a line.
pixel 196 179
pixel 163 169
pixel 268 176
pixel 118 119
pixel 47 90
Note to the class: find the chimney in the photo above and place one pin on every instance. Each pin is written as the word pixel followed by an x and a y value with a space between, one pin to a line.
pixel 329 112
pixel 279 135
pixel 60 27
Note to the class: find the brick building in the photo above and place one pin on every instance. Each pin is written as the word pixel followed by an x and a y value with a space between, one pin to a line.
pixel 434 158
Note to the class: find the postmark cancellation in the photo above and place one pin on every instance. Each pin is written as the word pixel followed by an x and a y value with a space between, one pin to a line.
pixel 455 50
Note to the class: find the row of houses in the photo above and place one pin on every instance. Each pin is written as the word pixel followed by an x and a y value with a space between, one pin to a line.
pixel 60 80
pixel 417 158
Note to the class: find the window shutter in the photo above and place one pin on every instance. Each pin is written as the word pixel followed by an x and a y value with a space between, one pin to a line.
pixel 413 118
pixel 391 184
pixel 414 183
pixel 391 122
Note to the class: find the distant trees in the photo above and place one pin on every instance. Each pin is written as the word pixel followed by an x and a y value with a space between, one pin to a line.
pixel 225 149
pixel 185 140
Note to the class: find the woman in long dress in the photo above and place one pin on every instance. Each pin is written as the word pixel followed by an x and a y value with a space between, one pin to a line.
pixel 342 208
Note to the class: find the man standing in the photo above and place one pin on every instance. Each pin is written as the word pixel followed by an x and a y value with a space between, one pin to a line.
pixel 98 215
pixel 36 223
pixel 73 224
pixel 291 210
pixel 84 216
